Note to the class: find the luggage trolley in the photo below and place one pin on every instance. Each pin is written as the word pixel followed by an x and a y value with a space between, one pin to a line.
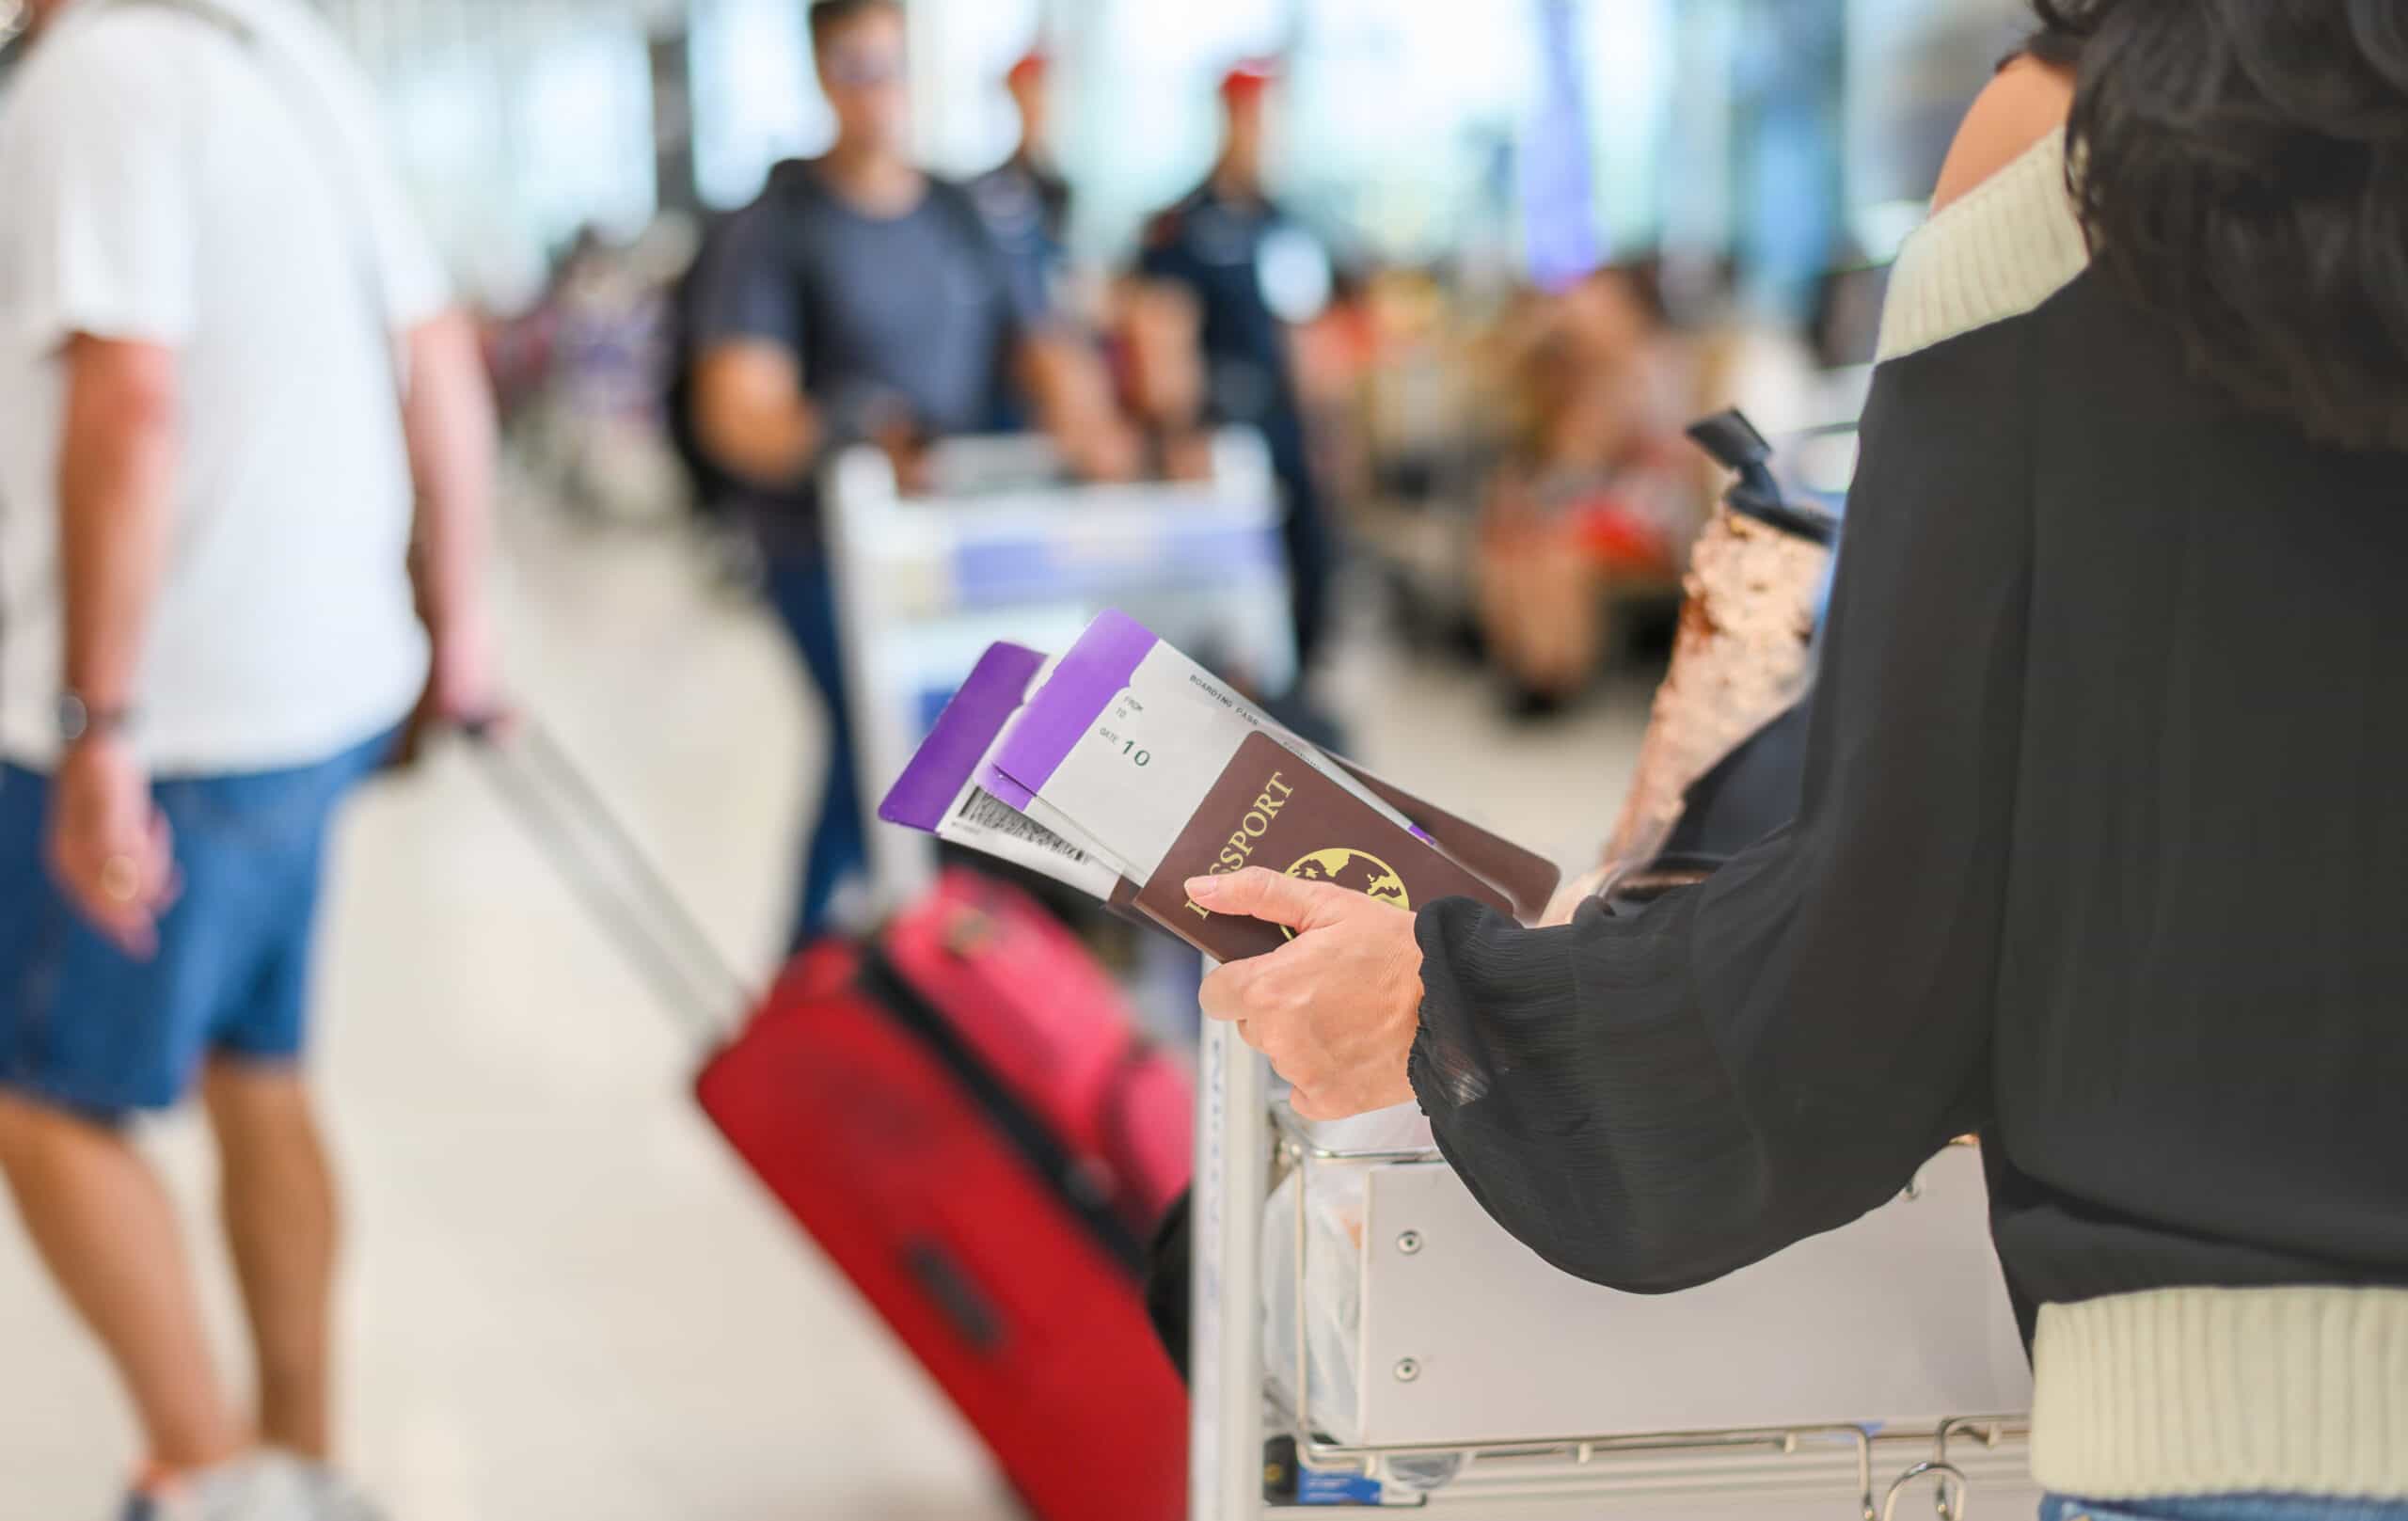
pixel 1873 1364
pixel 1002 549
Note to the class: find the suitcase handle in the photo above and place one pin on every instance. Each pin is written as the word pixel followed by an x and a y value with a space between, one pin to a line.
pixel 598 857
pixel 949 1287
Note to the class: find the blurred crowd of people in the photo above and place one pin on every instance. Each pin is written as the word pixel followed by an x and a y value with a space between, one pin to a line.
pixel 187 706
pixel 1510 459
pixel 247 465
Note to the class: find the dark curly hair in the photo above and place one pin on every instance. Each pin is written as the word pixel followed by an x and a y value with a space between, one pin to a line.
pixel 829 15
pixel 2241 168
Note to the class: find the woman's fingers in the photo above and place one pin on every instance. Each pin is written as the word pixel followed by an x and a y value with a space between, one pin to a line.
pixel 1272 999
pixel 1226 993
pixel 1307 1107
pixel 1236 994
pixel 1260 894
pixel 1337 1010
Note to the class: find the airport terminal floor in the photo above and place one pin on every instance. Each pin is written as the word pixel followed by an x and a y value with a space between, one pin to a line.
pixel 582 1305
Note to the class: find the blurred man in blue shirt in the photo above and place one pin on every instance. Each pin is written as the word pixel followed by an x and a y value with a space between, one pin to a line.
pixel 862 301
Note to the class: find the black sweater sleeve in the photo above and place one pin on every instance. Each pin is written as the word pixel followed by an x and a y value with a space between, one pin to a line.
pixel 1653 1100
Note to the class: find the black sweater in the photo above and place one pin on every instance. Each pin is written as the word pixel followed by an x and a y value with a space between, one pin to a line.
pixel 2103 853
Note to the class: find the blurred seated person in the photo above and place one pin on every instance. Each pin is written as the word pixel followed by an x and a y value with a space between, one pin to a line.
pixel 860 300
pixel 1598 489
pixel 600 439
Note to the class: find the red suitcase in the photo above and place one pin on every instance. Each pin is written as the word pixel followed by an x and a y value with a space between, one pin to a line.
pixel 1036 1330
pixel 1032 1007
pixel 963 1118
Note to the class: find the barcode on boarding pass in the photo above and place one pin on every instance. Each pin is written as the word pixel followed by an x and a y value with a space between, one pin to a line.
pixel 984 809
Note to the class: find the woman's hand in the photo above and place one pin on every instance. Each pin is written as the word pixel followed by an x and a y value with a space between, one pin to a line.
pixel 1337 1010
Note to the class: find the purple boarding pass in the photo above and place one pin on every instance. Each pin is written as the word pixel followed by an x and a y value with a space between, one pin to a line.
pixel 1124 740
pixel 925 794
pixel 1088 677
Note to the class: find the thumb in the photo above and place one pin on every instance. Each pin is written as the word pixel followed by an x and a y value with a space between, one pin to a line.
pixel 1260 894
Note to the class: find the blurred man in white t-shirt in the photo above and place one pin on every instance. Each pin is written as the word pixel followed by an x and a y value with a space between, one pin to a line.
pixel 211 473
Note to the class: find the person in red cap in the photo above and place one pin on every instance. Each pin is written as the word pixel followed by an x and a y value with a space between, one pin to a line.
pixel 1024 199
pixel 1248 79
pixel 1226 246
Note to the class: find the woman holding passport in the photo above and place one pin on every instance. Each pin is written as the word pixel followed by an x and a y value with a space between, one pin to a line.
pixel 2103 852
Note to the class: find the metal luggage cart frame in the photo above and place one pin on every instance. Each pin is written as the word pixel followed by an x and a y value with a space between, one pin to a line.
pixel 1241 1148
pixel 1003 548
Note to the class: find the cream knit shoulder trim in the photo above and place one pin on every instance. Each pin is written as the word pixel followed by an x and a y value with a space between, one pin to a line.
pixel 2216 1391
pixel 2000 251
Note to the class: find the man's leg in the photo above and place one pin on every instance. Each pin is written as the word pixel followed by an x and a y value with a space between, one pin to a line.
pixel 275 1188
pixel 804 593
pixel 1312 550
pixel 840 846
pixel 278 1200
pixel 106 1230
pixel 89 1035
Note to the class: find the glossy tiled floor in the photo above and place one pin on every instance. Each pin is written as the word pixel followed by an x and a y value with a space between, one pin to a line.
pixel 566 1300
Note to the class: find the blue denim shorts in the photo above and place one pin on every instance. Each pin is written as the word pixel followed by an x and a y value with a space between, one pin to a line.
pixel 87 1028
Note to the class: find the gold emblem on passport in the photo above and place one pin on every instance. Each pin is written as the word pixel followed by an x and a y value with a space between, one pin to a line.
pixel 1359 870
pixel 1267 808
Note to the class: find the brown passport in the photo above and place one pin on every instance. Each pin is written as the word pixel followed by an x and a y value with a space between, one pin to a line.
pixel 1524 875
pixel 1271 809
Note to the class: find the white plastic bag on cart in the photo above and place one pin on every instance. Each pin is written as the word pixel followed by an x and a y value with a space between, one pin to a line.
pixel 1333 1310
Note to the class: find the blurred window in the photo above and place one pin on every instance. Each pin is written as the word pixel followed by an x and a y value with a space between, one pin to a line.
pixel 1913 67
pixel 1790 69
pixel 1635 97
pixel 1139 119
pixel 1411 108
pixel 756 95
pixel 1789 134
pixel 1401 127
pixel 963 117
pixel 585 118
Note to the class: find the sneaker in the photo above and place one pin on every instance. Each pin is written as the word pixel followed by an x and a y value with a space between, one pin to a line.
pixel 333 1497
pixel 248 1489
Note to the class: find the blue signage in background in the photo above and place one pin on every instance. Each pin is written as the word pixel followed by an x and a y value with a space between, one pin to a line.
pixel 1560 232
